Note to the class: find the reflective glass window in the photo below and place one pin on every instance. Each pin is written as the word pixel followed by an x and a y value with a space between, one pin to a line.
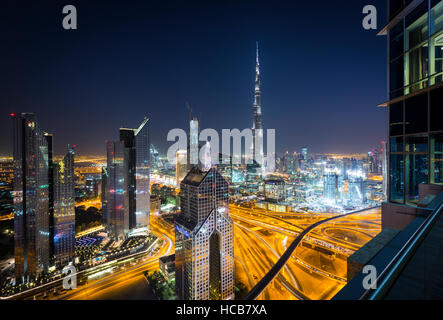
pixel 396 41
pixel 396 74
pixel 417 144
pixel 436 104
pixel 437 158
pixel 416 114
pixel 396 119
pixel 436 16
pixel 436 58
pixel 416 172
pixel 396 144
pixel 396 182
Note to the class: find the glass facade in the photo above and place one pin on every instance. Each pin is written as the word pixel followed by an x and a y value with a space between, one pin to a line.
pixel 415 118
pixel 116 215
pixel 415 48
pixel 64 210
pixel 31 198
pixel 142 172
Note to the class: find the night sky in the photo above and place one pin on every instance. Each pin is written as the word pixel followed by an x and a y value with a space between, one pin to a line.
pixel 322 74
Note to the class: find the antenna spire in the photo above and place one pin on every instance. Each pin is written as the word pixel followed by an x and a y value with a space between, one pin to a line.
pixel 257 51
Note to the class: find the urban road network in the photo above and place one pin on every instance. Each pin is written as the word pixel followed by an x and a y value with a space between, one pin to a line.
pixel 315 270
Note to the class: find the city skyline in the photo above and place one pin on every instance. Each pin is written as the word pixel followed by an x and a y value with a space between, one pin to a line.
pixel 343 200
pixel 210 68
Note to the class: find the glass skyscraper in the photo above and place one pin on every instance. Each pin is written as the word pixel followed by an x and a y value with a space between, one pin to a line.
pixel 127 200
pixel 31 197
pixel 127 137
pixel 64 209
pixel 116 216
pixel 204 248
pixel 415 113
pixel 142 171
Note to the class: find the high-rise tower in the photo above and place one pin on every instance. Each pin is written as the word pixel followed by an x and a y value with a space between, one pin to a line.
pixel 31 197
pixel 204 247
pixel 257 128
pixel 116 216
pixel 64 209
pixel 133 171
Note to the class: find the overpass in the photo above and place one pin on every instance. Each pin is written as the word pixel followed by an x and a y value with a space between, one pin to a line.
pixel 275 270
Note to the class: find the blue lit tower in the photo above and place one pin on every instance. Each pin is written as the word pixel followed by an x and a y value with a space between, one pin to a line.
pixel 257 128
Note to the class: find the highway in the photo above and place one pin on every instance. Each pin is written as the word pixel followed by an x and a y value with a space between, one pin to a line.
pixel 314 266
pixel 274 271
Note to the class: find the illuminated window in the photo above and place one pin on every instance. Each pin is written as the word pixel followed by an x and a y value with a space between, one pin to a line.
pixel 416 47
pixel 437 159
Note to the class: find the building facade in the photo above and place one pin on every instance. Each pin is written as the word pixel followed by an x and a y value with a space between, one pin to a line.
pixel 126 205
pixel 31 197
pixel 116 216
pixel 64 210
pixel 330 187
pixel 204 248
pixel 143 166
pixel 181 166
pixel 415 145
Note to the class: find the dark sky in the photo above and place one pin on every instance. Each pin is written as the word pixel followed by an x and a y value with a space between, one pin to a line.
pixel 322 73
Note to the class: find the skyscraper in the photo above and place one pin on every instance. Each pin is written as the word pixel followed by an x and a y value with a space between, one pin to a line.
pixel 257 128
pixel 127 137
pixel 136 170
pixel 357 193
pixel 193 144
pixel 142 175
pixel 117 217
pixel 204 248
pixel 180 166
pixel 330 186
pixel 64 209
pixel 415 130
pixel 31 197
pixel 105 195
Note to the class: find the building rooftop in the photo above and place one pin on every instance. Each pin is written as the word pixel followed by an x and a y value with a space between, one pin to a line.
pixel 195 176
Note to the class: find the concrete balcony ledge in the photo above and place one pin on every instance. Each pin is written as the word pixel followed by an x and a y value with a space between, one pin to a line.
pixel 380 259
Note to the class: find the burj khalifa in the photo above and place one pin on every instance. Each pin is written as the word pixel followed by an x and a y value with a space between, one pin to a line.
pixel 257 128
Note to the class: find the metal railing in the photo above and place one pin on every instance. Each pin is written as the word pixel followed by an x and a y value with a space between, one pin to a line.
pixel 393 270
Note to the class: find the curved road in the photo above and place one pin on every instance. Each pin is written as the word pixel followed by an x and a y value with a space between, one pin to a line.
pixel 275 270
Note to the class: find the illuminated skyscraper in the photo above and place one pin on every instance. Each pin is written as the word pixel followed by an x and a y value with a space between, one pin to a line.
pixel 117 217
pixel 303 158
pixel 357 194
pixel 180 166
pixel 105 195
pixel 64 209
pixel 330 186
pixel 31 197
pixel 204 248
pixel 142 171
pixel 137 165
pixel 257 128
pixel 193 144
